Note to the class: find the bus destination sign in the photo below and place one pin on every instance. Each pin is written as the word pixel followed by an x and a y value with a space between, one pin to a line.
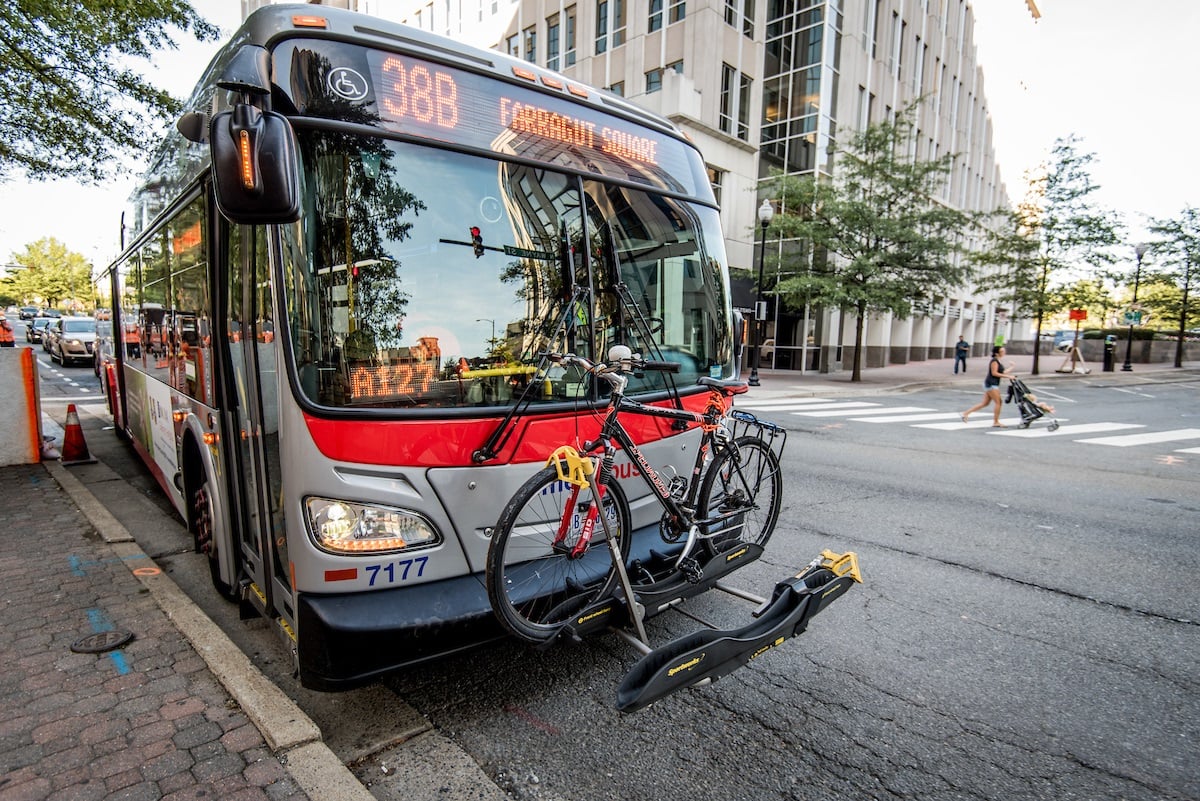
pixel 433 101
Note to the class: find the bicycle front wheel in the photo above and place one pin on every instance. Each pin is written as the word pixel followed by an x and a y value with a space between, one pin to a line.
pixel 536 587
pixel 740 494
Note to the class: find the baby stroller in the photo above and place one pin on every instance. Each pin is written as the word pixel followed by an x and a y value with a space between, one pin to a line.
pixel 1027 403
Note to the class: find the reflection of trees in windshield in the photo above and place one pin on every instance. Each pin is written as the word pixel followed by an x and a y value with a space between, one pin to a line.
pixel 363 210
pixel 545 211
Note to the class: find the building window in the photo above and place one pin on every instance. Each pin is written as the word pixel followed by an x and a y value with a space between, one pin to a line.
pixel 618 88
pixel 601 27
pixel 735 103
pixel 676 10
pixel 743 18
pixel 552 42
pixel 512 45
pixel 569 44
pixel 656 15
pixel 714 180
pixel 530 35
pixel 676 66
pixel 605 9
pixel 653 81
pixel 728 80
pixel 743 128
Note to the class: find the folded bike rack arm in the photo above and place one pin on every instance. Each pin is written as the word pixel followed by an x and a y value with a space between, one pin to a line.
pixel 707 655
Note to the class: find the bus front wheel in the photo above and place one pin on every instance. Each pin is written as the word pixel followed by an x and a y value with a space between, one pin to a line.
pixel 205 534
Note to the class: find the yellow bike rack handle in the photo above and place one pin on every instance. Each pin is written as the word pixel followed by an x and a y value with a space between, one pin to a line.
pixel 842 564
pixel 572 468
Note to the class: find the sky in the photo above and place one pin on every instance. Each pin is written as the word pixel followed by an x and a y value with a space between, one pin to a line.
pixel 1112 72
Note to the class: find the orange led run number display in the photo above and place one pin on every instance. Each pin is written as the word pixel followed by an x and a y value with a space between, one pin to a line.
pixel 418 92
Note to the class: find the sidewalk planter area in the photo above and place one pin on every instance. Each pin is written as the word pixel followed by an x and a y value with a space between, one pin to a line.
pixel 1144 351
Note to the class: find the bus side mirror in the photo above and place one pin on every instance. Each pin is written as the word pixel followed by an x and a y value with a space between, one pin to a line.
pixel 254 166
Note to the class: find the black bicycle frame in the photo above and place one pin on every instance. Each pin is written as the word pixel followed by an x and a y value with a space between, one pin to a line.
pixel 612 429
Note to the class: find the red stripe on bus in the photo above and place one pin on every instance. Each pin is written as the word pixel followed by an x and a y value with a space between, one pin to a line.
pixel 346 574
pixel 450 443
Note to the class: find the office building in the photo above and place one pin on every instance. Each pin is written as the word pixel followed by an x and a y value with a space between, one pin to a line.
pixel 763 86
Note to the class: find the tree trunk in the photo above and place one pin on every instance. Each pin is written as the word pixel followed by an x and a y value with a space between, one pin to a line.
pixel 856 370
pixel 1183 312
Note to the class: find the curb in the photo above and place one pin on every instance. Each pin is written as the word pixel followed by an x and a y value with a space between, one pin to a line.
pixel 289 732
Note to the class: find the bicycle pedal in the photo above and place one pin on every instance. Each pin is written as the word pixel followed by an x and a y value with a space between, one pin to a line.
pixel 691 570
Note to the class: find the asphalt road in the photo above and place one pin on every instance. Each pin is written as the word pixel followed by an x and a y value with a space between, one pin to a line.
pixel 1027 630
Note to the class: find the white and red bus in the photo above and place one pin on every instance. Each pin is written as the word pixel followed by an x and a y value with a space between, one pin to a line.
pixel 337 280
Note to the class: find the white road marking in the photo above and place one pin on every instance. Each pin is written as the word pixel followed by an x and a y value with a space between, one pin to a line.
pixel 780 405
pixel 911 418
pixel 1064 431
pixel 1146 438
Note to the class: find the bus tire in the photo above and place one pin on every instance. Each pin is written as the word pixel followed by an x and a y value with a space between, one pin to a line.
pixel 200 505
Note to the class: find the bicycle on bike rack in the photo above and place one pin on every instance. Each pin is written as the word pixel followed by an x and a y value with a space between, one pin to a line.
pixel 552 571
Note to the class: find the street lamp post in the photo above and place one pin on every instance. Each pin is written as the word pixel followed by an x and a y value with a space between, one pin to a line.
pixel 1140 250
pixel 765 214
pixel 492 341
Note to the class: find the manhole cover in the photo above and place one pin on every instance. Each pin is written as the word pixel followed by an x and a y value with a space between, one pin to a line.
pixel 101 641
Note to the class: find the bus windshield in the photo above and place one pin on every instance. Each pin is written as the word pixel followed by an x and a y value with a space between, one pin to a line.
pixel 422 277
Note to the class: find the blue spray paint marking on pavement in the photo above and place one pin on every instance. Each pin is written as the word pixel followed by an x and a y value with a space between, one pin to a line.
pixel 78 565
pixel 100 622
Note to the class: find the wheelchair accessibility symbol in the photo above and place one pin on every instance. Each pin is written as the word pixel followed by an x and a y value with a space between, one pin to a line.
pixel 347 83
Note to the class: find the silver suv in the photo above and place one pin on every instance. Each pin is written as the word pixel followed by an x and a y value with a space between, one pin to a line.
pixel 73 339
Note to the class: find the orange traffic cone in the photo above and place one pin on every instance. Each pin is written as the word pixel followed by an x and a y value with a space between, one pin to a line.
pixel 75 449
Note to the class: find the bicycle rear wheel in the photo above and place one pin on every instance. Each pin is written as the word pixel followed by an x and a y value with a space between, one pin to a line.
pixel 535 588
pixel 743 488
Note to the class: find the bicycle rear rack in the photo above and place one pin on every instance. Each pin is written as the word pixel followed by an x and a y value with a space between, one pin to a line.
pixel 743 423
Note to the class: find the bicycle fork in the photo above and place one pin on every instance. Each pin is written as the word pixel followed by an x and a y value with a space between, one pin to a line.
pixel 578 468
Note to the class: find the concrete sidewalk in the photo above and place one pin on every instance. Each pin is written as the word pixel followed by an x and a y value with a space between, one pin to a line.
pixel 940 373
pixel 174 712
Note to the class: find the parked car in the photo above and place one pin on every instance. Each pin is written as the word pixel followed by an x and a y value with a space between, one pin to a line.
pixel 73 339
pixel 1064 340
pixel 36 327
pixel 28 312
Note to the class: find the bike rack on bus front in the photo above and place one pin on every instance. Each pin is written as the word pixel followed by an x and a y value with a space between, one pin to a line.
pixel 707 655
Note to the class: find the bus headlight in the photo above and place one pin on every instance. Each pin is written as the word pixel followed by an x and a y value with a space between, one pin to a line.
pixel 347 527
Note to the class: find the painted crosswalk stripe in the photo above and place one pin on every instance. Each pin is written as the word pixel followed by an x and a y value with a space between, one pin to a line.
pixel 790 403
pixel 1065 431
pixel 1146 438
pixel 911 418
pixel 848 405
pixel 895 412
pixel 843 410
pixel 1187 450
pixel 959 425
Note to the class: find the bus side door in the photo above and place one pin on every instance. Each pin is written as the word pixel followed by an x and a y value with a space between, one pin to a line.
pixel 253 413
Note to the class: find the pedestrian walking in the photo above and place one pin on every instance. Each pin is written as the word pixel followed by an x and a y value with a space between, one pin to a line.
pixel 991 387
pixel 961 349
pixel 7 338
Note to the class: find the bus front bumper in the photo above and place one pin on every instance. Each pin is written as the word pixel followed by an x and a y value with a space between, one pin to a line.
pixel 347 640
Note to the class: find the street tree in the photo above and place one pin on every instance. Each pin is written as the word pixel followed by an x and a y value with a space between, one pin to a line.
pixel 1072 234
pixel 51 274
pixel 1088 294
pixel 73 101
pixel 1006 263
pixel 1176 259
pixel 878 237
